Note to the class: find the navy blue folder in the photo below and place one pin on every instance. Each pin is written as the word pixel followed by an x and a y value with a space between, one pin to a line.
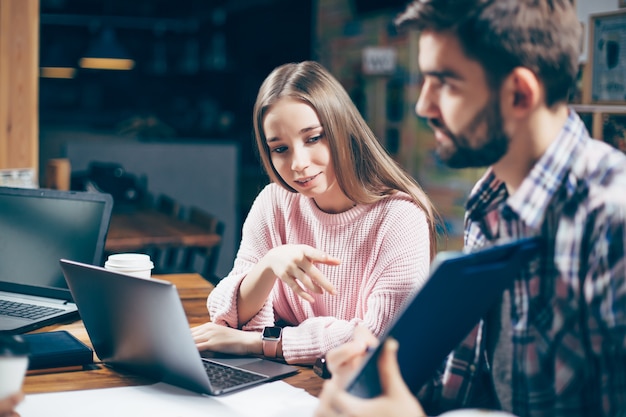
pixel 461 289
pixel 56 349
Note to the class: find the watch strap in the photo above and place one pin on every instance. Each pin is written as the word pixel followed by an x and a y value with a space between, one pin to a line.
pixel 270 347
pixel 270 342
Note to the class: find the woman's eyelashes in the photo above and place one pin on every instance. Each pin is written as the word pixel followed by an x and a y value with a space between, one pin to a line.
pixel 278 149
pixel 315 138
pixel 311 140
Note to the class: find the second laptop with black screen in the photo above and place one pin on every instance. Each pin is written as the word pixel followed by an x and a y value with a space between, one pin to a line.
pixel 37 228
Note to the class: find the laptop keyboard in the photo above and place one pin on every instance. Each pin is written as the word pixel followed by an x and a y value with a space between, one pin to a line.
pixel 223 377
pixel 25 310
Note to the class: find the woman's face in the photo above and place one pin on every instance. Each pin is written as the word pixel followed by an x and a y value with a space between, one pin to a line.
pixel 300 153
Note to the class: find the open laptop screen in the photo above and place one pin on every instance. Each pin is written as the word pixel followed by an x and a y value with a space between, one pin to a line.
pixel 38 227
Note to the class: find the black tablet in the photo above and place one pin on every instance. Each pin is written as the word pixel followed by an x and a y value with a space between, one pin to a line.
pixel 461 288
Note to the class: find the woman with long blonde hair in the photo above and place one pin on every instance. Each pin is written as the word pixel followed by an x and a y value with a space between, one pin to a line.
pixel 340 237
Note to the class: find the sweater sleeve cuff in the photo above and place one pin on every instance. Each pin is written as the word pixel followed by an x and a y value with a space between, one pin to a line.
pixel 222 306
pixel 222 302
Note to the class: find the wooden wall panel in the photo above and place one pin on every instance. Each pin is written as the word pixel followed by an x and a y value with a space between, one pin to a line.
pixel 19 84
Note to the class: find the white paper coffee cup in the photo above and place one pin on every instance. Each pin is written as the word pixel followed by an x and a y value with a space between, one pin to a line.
pixel 135 264
pixel 12 371
pixel 13 364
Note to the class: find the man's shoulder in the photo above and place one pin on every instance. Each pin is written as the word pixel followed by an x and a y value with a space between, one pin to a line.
pixel 600 164
pixel 601 154
pixel 598 177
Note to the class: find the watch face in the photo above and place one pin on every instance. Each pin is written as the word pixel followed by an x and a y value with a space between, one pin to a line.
pixel 271 332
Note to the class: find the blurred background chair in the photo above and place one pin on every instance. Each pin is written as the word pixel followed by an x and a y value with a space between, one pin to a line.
pixel 178 239
pixel 187 259
pixel 167 205
pixel 165 258
pixel 203 259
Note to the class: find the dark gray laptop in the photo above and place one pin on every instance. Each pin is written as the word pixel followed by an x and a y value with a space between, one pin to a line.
pixel 139 325
pixel 37 228
pixel 461 289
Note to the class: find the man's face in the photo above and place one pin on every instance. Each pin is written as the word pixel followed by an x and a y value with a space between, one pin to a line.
pixel 459 105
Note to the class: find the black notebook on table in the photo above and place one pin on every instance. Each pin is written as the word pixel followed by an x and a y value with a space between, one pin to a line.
pixel 462 287
pixel 57 349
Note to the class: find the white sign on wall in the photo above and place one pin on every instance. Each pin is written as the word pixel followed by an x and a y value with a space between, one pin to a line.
pixel 379 60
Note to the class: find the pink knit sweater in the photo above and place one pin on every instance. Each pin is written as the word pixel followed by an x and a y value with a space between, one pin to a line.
pixel 385 257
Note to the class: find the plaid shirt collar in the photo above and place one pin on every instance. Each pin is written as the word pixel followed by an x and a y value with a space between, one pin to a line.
pixel 537 190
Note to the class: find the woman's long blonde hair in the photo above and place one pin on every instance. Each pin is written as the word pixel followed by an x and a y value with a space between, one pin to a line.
pixel 365 171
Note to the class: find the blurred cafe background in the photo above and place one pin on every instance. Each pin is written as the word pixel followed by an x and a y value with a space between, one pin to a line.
pixel 158 94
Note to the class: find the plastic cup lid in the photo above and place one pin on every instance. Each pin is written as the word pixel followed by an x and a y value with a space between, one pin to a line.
pixel 129 260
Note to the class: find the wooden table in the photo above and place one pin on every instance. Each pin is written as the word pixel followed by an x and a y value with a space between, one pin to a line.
pixel 135 230
pixel 193 291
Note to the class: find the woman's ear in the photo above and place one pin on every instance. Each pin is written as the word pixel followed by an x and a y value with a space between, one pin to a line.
pixel 522 91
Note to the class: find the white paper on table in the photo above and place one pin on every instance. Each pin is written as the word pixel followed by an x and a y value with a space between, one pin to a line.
pixel 272 399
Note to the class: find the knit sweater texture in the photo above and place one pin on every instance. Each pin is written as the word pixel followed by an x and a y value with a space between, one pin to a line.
pixel 385 258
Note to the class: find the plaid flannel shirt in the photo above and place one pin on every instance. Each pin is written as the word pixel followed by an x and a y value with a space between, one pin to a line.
pixel 568 307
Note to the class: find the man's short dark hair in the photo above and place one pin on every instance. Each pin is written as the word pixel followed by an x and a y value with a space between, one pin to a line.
pixel 541 35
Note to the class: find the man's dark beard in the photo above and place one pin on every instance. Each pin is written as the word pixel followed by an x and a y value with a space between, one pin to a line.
pixel 492 148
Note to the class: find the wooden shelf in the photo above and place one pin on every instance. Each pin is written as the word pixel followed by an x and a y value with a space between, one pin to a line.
pixel 599 114
pixel 599 108
pixel 19 76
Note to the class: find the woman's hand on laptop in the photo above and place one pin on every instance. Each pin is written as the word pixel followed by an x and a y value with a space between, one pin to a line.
pixel 396 399
pixel 211 336
pixel 8 404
